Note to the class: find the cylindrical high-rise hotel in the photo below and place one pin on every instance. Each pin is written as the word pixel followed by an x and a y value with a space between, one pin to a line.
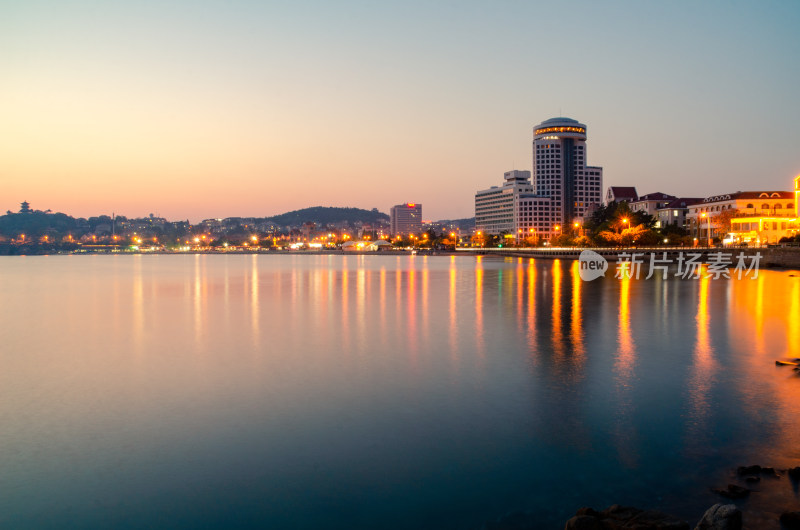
pixel 560 170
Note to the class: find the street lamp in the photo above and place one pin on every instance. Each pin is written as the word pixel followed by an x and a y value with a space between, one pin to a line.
pixel 453 238
pixel 705 216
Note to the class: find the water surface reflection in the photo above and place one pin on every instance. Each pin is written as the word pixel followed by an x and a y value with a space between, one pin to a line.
pixel 391 391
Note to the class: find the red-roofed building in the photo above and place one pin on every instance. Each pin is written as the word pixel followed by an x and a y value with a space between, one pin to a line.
pixel 621 194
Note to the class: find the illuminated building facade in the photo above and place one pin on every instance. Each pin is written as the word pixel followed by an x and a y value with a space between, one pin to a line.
pixel 514 209
pixel 406 219
pixel 564 189
pixel 749 205
pixel 560 170
pixel 768 217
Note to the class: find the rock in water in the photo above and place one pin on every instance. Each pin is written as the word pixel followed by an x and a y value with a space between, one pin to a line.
pixel 618 517
pixel 732 492
pixel 584 522
pixel 791 520
pixel 794 473
pixel 749 470
pixel 721 517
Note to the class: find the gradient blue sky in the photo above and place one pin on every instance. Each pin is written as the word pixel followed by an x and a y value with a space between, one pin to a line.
pixel 211 109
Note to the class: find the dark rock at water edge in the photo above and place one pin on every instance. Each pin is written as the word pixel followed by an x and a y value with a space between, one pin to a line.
pixel 794 473
pixel 770 471
pixel 791 520
pixel 732 492
pixel 618 517
pixel 721 517
pixel 748 470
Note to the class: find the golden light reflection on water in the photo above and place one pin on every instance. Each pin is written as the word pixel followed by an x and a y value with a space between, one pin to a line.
pixel 411 315
pixel 382 304
pixel 453 328
pixel 763 322
pixel 138 302
pixel 627 438
pixel 361 301
pixel 793 317
pixel 557 337
pixel 199 299
pixel 533 337
pixel 345 307
pixel 626 351
pixel 576 318
pixel 479 341
pixel 520 300
pixel 254 312
pixel 701 378
pixel 425 299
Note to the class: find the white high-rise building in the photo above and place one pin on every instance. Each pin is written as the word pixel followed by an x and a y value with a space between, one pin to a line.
pixel 513 209
pixel 560 170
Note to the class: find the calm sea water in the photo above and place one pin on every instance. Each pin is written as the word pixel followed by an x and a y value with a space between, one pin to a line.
pixel 308 391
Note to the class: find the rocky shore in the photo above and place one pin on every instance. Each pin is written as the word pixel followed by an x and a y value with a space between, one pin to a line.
pixel 757 498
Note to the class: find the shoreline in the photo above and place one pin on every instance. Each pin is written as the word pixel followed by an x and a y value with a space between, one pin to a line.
pixel 771 257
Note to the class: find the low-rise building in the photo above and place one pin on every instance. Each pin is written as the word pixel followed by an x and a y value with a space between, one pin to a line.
pixel 674 212
pixel 718 210
pixel 621 194
pixel 768 218
pixel 651 202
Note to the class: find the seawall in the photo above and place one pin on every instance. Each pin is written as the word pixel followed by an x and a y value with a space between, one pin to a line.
pixel 784 257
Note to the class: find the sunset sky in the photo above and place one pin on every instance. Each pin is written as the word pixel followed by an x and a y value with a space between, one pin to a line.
pixel 212 109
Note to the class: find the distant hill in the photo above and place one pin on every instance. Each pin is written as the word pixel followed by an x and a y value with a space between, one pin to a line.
pixel 323 215
pixel 35 224
pixel 463 224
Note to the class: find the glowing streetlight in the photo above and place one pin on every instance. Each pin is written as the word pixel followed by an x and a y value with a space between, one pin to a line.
pixel 704 215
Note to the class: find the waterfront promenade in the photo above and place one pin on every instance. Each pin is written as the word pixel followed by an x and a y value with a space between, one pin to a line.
pixel 770 257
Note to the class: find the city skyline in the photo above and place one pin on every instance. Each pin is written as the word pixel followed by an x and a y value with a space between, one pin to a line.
pixel 196 111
